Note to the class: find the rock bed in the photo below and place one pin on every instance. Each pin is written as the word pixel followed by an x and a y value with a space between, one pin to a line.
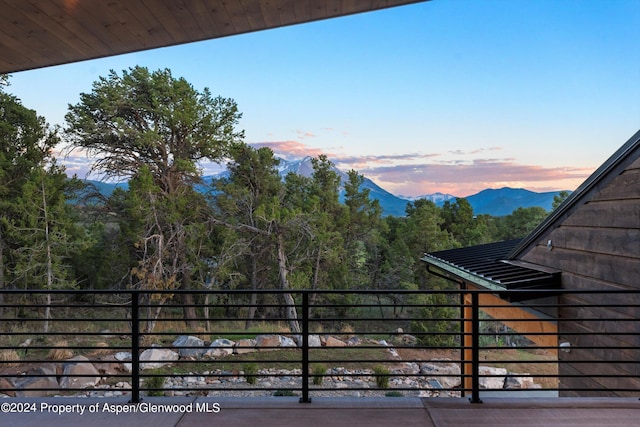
pixel 437 377
pixel 268 381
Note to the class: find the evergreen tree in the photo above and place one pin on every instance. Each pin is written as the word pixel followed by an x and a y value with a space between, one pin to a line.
pixel 35 224
pixel 152 124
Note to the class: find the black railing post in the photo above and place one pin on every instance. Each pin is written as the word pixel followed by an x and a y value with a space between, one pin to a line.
pixel 305 348
pixel 463 351
pixel 135 347
pixel 475 348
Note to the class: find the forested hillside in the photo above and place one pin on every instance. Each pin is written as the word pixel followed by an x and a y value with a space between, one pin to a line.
pixel 254 230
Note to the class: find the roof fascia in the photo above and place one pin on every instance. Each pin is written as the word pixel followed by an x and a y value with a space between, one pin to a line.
pixel 463 275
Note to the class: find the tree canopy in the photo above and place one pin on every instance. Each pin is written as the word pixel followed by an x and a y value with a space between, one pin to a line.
pixel 37 233
pixel 250 229
pixel 153 129
pixel 152 119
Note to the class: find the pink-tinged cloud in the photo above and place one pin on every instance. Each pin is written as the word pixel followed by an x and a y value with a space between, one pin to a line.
pixel 414 174
pixel 410 174
pixel 476 151
pixel 302 134
pixel 365 162
pixel 469 178
pixel 291 150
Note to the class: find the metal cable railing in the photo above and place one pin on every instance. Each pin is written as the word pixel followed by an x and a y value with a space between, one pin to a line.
pixel 424 343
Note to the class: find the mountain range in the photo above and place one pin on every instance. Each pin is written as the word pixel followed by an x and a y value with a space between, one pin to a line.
pixel 494 202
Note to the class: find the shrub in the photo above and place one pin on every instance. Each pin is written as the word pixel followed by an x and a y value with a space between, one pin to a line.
pixel 346 329
pixel 154 383
pixel 439 332
pixel 60 353
pixel 318 372
pixel 250 371
pixel 10 356
pixel 382 376
pixel 394 394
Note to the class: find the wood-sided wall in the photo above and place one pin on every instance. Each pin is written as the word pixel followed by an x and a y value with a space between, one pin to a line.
pixel 597 247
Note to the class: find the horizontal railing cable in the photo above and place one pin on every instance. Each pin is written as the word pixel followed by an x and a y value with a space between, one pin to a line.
pixel 363 342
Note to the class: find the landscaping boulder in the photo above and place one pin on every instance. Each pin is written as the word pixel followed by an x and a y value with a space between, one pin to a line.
pixel 46 379
pixel 185 343
pixel 267 342
pixel 334 342
pixel 287 342
pixel 263 342
pixel 220 348
pixel 122 356
pixel 444 371
pixel 519 381
pixel 245 346
pixel 125 358
pixel 108 365
pixel 496 377
pixel 315 341
pixel 159 357
pixel 354 341
pixel 7 387
pixel 79 372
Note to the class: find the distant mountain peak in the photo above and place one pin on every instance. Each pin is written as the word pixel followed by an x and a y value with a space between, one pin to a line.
pixel 490 201
pixel 438 198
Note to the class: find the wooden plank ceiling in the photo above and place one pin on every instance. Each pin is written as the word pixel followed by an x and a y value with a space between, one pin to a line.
pixel 40 33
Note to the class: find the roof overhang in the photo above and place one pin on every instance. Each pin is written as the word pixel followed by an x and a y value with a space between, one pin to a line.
pixel 36 34
pixel 487 267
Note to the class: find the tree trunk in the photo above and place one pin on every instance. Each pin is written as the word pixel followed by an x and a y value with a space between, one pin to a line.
pixel 207 325
pixel 316 274
pixel 47 311
pixel 187 302
pixel 254 297
pixel 187 299
pixel 152 317
pixel 291 311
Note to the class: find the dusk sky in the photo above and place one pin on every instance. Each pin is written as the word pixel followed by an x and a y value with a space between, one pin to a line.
pixel 450 95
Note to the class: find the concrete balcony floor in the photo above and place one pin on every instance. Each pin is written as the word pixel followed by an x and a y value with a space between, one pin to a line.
pixel 325 412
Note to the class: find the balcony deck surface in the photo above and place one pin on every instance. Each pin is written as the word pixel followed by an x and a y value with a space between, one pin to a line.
pixel 325 412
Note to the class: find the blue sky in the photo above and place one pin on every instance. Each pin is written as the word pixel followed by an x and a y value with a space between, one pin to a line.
pixel 449 95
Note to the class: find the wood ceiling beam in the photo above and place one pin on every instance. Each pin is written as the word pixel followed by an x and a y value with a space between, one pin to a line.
pixel 36 34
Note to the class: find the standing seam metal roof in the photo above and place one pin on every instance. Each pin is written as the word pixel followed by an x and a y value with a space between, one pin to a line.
pixel 488 266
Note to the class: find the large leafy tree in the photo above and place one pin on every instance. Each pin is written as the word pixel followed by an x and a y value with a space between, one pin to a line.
pixel 156 128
